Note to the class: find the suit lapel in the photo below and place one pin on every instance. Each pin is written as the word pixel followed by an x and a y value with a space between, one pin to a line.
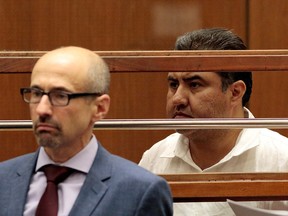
pixel 94 186
pixel 20 184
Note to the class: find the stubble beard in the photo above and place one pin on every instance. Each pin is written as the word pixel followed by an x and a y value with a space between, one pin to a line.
pixel 48 140
pixel 203 135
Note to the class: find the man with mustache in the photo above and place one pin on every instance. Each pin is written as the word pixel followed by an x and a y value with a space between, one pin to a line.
pixel 67 95
pixel 214 95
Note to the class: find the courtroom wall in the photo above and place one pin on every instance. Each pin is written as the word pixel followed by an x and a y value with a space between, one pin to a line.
pixel 133 25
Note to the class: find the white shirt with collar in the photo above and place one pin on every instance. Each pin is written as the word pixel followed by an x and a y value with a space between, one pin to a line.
pixel 69 189
pixel 256 150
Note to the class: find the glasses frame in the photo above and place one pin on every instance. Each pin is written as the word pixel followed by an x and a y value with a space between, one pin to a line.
pixel 69 95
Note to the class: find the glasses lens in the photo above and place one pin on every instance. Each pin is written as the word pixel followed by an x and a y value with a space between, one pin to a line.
pixel 26 93
pixel 59 98
pixel 32 95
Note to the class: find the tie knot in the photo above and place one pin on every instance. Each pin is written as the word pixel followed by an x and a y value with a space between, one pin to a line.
pixel 56 174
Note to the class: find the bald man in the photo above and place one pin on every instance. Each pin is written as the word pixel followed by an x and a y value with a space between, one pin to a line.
pixel 67 95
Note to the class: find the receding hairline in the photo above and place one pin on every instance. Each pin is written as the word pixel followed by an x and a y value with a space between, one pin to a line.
pixel 72 51
pixel 89 60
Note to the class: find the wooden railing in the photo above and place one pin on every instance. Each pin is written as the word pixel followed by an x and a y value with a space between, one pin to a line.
pixel 222 186
pixel 191 187
pixel 163 61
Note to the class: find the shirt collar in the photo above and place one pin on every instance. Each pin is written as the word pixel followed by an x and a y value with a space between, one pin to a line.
pixel 246 140
pixel 180 146
pixel 82 161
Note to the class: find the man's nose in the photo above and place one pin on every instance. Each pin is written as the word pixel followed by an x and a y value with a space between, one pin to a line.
pixel 180 97
pixel 44 107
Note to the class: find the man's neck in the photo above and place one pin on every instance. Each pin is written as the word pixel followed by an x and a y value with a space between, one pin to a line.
pixel 66 151
pixel 212 146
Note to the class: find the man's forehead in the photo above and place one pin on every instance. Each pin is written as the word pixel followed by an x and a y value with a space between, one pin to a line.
pixel 74 56
pixel 185 75
pixel 71 76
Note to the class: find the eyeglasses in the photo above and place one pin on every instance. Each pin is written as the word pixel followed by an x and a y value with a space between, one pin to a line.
pixel 56 97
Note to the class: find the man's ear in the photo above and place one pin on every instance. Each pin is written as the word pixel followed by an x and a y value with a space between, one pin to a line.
pixel 102 104
pixel 238 90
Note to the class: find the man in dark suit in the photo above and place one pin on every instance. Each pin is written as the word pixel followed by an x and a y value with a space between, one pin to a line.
pixel 68 94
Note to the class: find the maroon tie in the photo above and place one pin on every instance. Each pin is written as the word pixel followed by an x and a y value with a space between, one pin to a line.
pixel 48 204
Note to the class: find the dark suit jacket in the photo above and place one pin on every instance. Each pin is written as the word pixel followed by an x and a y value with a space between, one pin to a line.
pixel 113 186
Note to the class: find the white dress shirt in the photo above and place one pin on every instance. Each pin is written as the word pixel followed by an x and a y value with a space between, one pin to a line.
pixel 256 150
pixel 69 189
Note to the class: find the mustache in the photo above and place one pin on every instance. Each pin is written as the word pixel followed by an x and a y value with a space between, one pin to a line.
pixel 50 122
pixel 179 113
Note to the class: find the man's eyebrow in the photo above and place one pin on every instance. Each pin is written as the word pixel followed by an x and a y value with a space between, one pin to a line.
pixel 60 89
pixel 170 78
pixel 192 78
pixel 53 89
pixel 35 87
pixel 185 79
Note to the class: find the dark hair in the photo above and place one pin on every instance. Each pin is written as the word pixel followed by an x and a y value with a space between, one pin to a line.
pixel 218 39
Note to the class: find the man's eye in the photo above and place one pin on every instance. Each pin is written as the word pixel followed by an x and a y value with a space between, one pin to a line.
pixel 173 85
pixel 194 84
pixel 59 96
pixel 36 93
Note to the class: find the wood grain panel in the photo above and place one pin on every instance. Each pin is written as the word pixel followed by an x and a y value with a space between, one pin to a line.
pixel 268 29
pixel 222 186
pixel 14 143
pixel 268 24
pixel 110 25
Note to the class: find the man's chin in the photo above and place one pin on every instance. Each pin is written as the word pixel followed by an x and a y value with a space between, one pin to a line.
pixel 47 140
pixel 185 132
